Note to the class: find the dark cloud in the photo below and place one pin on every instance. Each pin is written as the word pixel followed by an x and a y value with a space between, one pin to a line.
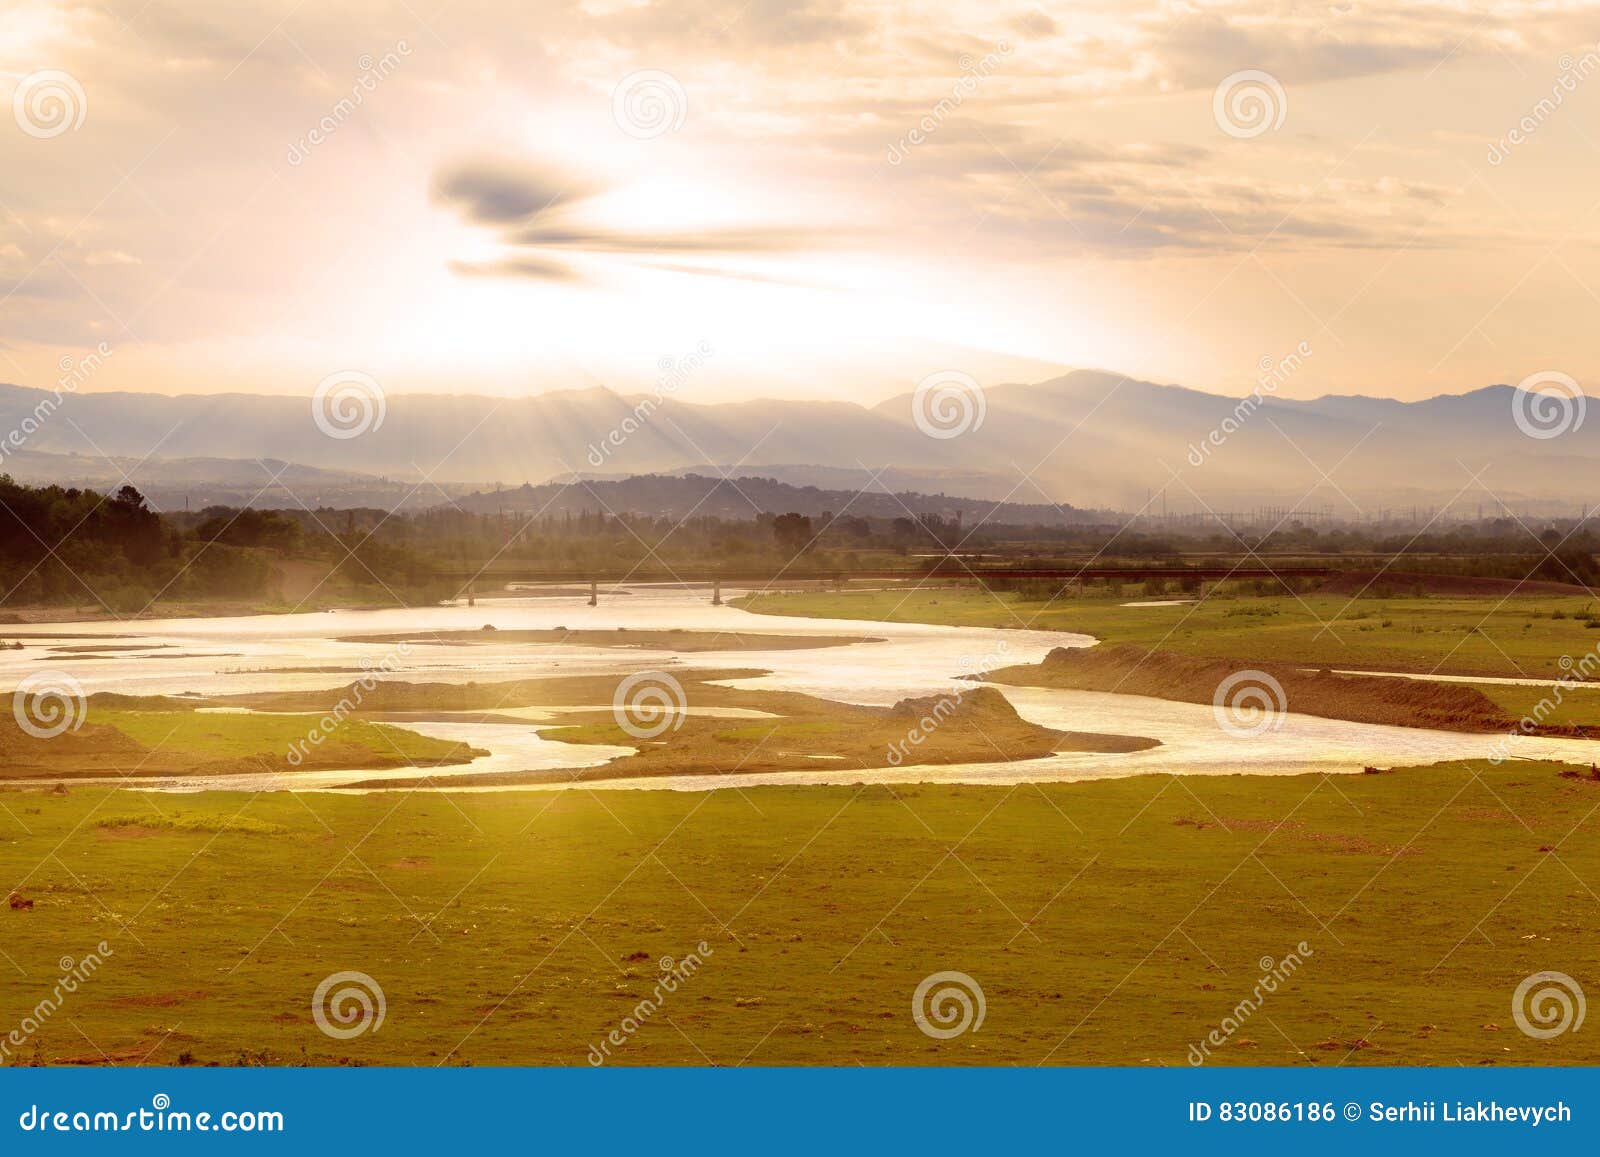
pixel 701 241
pixel 497 192
pixel 518 199
pixel 1036 23
pixel 761 23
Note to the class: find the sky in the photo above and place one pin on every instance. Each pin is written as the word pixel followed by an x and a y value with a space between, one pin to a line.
pixel 819 199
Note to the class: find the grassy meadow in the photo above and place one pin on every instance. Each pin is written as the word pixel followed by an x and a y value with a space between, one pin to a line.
pixel 170 738
pixel 1114 922
pixel 1524 637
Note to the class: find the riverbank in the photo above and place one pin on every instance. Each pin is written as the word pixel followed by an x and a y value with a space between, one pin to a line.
pixel 1526 637
pixel 779 731
pixel 1116 922
pixel 672 639
pixel 1129 670
pixel 163 739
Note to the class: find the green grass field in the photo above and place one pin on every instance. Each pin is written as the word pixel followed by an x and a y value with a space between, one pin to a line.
pixel 226 736
pixel 1114 922
pixel 1515 638
pixel 1519 637
pixel 150 740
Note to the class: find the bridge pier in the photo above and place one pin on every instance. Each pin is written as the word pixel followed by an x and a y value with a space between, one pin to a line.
pixel 716 592
pixel 594 594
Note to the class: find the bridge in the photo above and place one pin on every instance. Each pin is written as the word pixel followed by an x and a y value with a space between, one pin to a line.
pixel 716 577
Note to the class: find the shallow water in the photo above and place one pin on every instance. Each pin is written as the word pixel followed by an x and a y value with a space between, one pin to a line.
pixel 232 655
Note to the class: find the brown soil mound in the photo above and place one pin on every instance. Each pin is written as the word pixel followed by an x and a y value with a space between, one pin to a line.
pixel 964 725
pixel 1359 698
pixel 91 749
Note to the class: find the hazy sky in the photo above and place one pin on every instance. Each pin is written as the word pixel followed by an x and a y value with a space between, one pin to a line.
pixel 835 198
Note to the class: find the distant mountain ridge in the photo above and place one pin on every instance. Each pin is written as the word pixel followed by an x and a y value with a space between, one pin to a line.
pixel 745 497
pixel 1088 438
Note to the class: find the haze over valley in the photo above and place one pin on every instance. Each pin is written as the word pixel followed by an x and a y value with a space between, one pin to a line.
pixel 1089 439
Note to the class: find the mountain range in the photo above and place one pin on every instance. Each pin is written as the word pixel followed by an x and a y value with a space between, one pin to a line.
pixel 744 497
pixel 1088 439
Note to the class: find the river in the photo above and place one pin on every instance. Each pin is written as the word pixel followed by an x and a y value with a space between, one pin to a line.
pixel 205 657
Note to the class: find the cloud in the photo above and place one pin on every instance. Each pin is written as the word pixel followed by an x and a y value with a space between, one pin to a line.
pixel 532 268
pixel 713 240
pixel 495 192
pixel 1035 22
pixel 520 200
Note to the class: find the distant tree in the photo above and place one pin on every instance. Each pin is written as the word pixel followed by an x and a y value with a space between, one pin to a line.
pixel 792 532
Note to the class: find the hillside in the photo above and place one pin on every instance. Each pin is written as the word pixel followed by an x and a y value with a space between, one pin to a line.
pixel 746 497
pixel 1090 438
